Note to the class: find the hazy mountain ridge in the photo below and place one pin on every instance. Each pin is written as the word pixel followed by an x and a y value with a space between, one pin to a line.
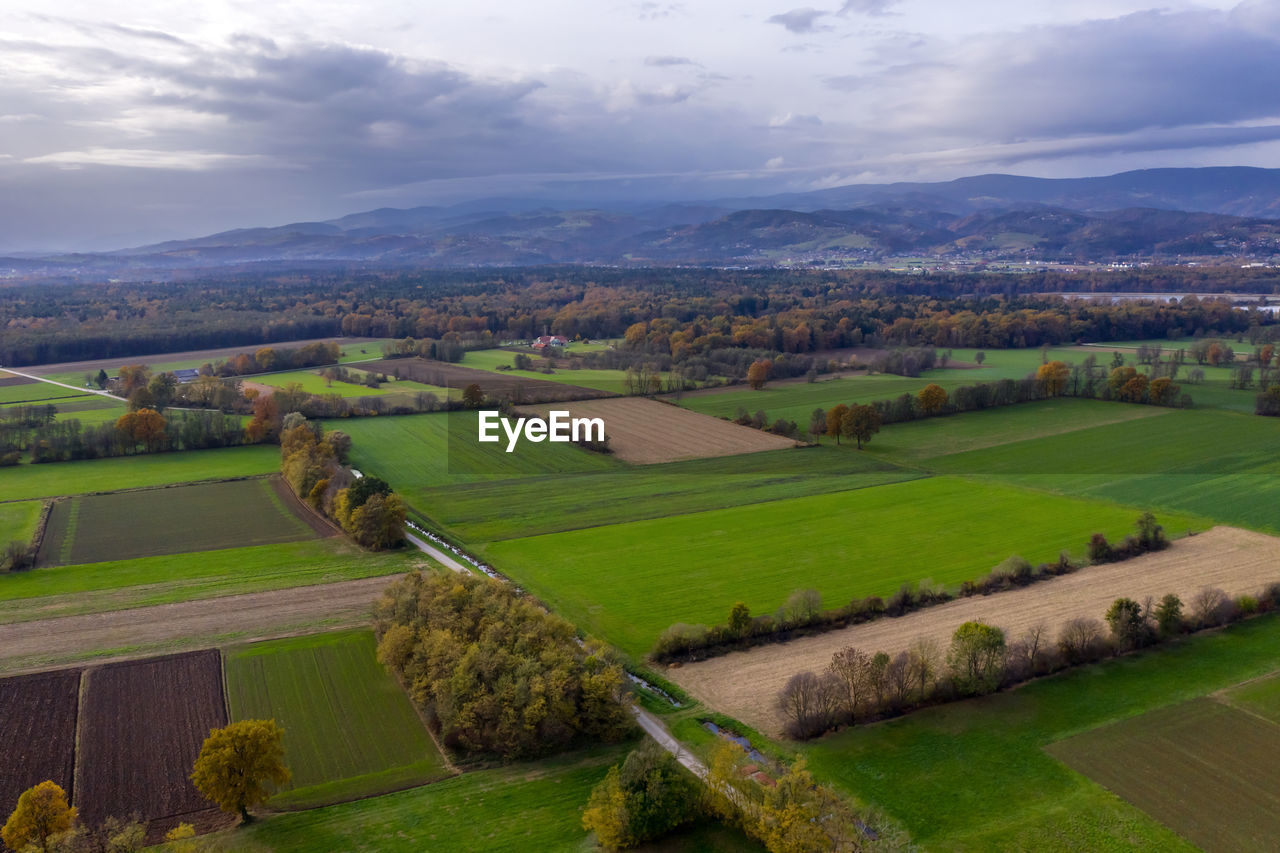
pixel 1159 213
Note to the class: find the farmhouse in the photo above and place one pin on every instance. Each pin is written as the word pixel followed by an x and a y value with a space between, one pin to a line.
pixel 545 341
pixel 186 375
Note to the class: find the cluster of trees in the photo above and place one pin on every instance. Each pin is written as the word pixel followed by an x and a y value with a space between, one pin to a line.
pixel 859 686
pixel 803 614
pixel 312 462
pixel 493 671
pixel 646 797
pixel 675 312
pixel 43 821
pixel 141 431
pixel 450 349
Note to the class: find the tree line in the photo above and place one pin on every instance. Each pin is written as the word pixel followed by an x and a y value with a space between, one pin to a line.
pixel 802 614
pixel 142 431
pixel 860 686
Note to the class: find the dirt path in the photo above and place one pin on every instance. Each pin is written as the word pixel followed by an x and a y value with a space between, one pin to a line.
pixel 29 645
pixel 745 684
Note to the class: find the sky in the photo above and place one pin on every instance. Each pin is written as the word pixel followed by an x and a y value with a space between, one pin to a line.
pixel 124 123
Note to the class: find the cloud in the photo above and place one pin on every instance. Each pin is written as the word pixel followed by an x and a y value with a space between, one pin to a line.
pixel 803 20
pixel 794 120
pixel 665 61
pixel 141 158
pixel 867 7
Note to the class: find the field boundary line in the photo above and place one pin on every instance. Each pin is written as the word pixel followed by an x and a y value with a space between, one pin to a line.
pixel 81 699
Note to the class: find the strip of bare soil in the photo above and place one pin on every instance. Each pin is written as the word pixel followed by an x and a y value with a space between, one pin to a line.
pixel 746 684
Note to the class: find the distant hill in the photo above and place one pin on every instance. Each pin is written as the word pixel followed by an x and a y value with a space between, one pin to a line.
pixel 1154 214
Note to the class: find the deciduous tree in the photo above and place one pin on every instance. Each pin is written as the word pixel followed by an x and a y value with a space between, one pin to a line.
pixel 976 657
pixel 1052 378
pixel 758 373
pixel 41 815
pixel 860 423
pixel 835 420
pixel 239 764
pixel 932 398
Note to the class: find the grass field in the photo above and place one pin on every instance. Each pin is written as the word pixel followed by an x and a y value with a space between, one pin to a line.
pixel 1260 697
pixel 18 521
pixel 413 452
pixel 482 512
pixel 974 775
pixel 613 381
pixel 68 590
pixel 627 582
pixel 177 520
pixel 40 392
pixel 519 807
pixel 313 383
pixel 130 472
pixel 1207 770
pixel 351 732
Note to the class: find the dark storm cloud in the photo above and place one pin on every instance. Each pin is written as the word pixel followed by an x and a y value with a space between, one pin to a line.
pixel 1150 70
pixel 800 20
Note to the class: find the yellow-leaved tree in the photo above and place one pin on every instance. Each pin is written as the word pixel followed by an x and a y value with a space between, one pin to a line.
pixel 238 762
pixel 42 814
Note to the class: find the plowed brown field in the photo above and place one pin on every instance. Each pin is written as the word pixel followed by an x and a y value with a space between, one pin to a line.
pixel 745 684
pixel 37 732
pixel 645 431
pixel 144 722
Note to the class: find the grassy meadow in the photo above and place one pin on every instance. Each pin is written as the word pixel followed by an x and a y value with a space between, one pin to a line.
pixel 84 476
pixel 351 731
pixel 975 775
pixel 627 582
pixel 18 520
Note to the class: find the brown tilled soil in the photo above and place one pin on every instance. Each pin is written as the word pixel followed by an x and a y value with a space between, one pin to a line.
pixel 38 736
pixel 30 645
pixel 141 729
pixel 745 684
pixel 348 345
pixel 645 431
pixel 518 388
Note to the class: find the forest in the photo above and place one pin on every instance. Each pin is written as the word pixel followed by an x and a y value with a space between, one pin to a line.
pixel 683 311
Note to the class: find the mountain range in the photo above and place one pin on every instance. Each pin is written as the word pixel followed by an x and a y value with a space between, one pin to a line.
pixel 1153 214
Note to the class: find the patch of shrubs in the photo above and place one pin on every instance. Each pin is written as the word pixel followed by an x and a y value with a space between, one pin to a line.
pixel 859 686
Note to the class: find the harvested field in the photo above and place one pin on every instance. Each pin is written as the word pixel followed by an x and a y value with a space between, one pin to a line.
pixel 38 737
pixel 7 379
pixel 644 431
pixel 745 684
pixel 1206 770
pixel 177 520
pixel 520 389
pixel 142 728
pixel 249 616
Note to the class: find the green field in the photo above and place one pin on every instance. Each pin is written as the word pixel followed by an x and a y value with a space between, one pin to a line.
pixel 40 392
pixel 627 582
pixel 350 730
pixel 68 590
pixel 18 521
pixel 87 410
pixel 974 775
pixel 522 807
pixel 313 383
pixel 175 520
pixel 613 381
pixel 483 512
pixel 1260 697
pixel 1207 770
pixel 413 452
pixel 130 472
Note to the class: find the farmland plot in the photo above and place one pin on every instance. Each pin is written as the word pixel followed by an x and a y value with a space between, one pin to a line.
pixel 518 388
pixel 744 684
pixel 350 730
pixel 38 735
pixel 1202 768
pixel 141 731
pixel 644 431
pixel 184 519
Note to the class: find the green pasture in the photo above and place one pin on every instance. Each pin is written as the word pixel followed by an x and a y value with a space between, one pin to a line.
pixel 51 479
pixel 350 730
pixel 40 392
pixel 534 806
pixel 487 511
pixel 177 520
pixel 313 383
pixel 18 520
pixel 1260 697
pixel 413 452
pixel 613 381
pixel 627 582
pixel 121 584
pixel 975 775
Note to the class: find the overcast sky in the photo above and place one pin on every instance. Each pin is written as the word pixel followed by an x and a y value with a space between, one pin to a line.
pixel 128 122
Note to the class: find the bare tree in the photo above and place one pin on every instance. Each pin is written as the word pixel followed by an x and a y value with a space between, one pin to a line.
pixel 1210 607
pixel 850 668
pixel 924 657
pixel 1081 640
pixel 809 702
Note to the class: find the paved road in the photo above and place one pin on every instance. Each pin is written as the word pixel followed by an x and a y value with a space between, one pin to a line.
pixel 436 554
pixel 656 730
